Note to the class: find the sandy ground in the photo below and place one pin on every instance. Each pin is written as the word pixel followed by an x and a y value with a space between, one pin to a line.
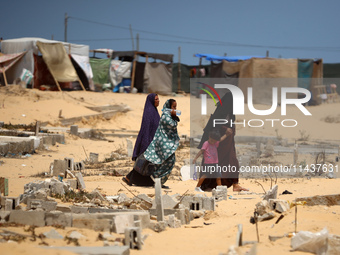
pixel 21 106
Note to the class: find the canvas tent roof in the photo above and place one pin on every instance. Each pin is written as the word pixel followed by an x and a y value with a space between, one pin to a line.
pixel 7 60
pixel 29 44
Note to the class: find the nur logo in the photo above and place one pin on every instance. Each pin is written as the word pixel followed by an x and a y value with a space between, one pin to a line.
pixel 238 103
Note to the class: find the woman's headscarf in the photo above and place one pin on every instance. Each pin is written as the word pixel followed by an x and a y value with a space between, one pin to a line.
pixel 224 111
pixel 148 127
pixel 166 139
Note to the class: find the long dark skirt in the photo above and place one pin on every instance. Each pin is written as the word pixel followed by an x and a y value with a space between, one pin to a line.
pixel 226 157
pixel 139 180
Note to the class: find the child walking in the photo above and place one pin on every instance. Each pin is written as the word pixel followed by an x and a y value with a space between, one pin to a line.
pixel 210 155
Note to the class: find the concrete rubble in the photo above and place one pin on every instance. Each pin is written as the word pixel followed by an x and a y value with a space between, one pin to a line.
pixel 119 213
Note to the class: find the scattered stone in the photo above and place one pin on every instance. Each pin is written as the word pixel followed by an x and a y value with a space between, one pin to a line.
pixel 279 205
pixel 262 207
pixel 220 193
pixel 157 226
pixel 76 235
pixel 53 234
pixel 266 216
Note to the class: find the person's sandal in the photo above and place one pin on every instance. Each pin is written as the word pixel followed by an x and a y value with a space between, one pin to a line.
pixel 126 181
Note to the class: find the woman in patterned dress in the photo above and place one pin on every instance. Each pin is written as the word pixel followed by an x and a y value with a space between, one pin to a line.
pixel 161 151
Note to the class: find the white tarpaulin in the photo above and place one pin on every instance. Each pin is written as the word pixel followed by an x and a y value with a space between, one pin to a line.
pixel 84 63
pixel 119 70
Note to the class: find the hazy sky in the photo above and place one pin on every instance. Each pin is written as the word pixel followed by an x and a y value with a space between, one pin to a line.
pixel 288 29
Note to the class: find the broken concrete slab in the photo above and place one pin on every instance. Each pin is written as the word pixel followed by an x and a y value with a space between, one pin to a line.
pixel 121 222
pixel 107 115
pixel 92 250
pixel 4 216
pixel 173 222
pixel 79 209
pixel 168 202
pixel 33 218
pixel 182 214
pixel 278 205
pixel 91 222
pixel 38 203
pixel 271 194
pixel 266 216
pixel 328 200
pixel 158 226
pixel 57 218
pixel 81 183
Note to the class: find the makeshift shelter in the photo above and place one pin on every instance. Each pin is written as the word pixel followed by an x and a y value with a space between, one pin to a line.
pixel 7 61
pixel 100 69
pixel 58 63
pixel 155 77
pixel 262 74
pixel 30 45
pixel 331 75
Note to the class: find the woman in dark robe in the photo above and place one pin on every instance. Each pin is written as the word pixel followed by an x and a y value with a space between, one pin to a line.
pixel 146 133
pixel 226 149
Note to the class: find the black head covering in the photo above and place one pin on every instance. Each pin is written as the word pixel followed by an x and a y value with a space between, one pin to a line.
pixel 224 111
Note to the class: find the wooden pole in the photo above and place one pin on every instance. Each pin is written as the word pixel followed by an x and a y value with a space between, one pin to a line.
pixel 65 32
pixel 133 72
pixel 133 45
pixel 5 79
pixel 179 71
pixel 81 84
pixel 37 128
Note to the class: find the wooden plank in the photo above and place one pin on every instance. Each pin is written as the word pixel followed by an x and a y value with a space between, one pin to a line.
pixel 4 186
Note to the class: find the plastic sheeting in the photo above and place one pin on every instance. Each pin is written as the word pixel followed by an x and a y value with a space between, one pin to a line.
pixel 100 69
pixel 119 70
pixel 58 62
pixel 158 78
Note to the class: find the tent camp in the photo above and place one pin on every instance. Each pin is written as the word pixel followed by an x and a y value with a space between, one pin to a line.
pixel 262 74
pixel 33 62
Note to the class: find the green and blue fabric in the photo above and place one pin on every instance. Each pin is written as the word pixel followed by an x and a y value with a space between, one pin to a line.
pixel 161 150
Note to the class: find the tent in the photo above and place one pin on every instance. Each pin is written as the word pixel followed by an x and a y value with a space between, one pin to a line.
pixel 30 45
pixel 58 63
pixel 7 61
pixel 148 77
pixel 331 74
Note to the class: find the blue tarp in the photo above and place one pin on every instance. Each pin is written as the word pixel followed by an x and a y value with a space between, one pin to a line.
pixel 230 59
